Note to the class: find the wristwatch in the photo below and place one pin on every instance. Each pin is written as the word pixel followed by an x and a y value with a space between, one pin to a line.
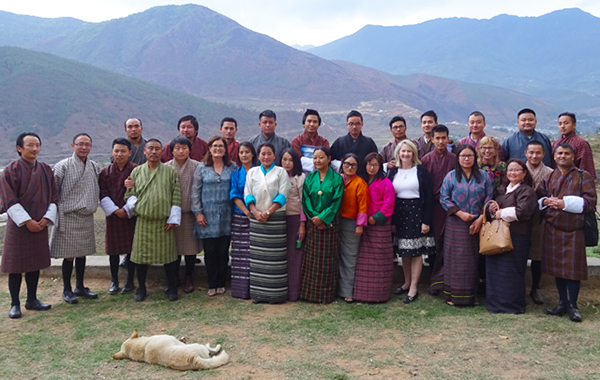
pixel 268 212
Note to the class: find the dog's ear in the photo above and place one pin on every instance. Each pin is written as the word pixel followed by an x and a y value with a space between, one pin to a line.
pixel 134 335
pixel 119 355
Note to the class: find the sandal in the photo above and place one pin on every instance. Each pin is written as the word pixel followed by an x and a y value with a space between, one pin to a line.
pixel 348 300
pixel 220 290
pixel 212 292
pixel 450 303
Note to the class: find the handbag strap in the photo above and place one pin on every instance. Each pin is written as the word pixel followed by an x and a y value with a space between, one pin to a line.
pixel 485 207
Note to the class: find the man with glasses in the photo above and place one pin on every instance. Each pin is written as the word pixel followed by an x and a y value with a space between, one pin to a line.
pixel 73 237
pixel 398 129
pixel 514 145
pixel 354 142
pixel 267 121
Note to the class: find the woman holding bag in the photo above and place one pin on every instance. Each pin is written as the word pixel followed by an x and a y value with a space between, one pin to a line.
pixel 505 272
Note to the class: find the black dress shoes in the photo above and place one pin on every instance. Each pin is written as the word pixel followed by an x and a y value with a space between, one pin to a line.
pixel 37 305
pixel 15 312
pixel 536 296
pixel 69 297
pixel 558 310
pixel 574 314
pixel 172 294
pixel 400 291
pixel 114 288
pixel 128 288
pixel 409 299
pixel 85 293
pixel 140 295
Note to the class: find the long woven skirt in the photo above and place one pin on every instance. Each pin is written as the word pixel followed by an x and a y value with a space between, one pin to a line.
pixel 268 259
pixel 240 256
pixel 461 260
pixel 294 257
pixel 348 253
pixel 374 264
pixel 505 278
pixel 320 263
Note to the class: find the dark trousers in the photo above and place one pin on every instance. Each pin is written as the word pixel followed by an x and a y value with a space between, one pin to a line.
pixel 216 257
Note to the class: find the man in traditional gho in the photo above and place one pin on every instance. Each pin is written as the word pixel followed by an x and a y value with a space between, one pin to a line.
pixel 155 198
pixel 267 121
pixel 514 145
pixel 188 127
pixel 28 195
pixel 306 143
pixel 119 227
pixel 398 129
pixel 354 142
pixel 73 236
pixel 565 195
pixel 584 157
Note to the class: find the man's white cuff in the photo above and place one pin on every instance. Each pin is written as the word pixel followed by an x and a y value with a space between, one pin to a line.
pixel 175 217
pixel 18 214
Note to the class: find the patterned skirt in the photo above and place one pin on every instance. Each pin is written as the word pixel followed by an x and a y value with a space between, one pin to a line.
pixel 461 261
pixel 320 263
pixel 119 235
pixel 240 254
pixel 294 257
pixel 268 259
pixel 375 264
pixel 24 251
pixel 151 243
pixel 73 236
pixel 409 239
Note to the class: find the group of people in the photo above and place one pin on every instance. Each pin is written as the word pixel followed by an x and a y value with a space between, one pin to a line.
pixel 306 220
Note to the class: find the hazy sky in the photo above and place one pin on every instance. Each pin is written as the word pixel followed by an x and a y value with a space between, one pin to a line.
pixel 314 22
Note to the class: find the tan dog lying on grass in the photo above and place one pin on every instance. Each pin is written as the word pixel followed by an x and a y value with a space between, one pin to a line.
pixel 169 351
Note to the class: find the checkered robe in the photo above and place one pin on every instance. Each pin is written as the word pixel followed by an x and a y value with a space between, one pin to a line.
pixel 78 193
pixel 537 222
pixel 119 232
pixel 564 245
pixel 156 193
pixel 584 157
pixel 186 242
pixel 32 186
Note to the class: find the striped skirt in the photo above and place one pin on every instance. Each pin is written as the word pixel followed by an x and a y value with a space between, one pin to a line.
pixel 268 259
pixel 461 261
pixel 375 264
pixel 294 257
pixel 240 254
pixel 348 252
pixel 320 263
pixel 151 243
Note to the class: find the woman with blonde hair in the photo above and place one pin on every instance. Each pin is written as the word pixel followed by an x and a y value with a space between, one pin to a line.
pixel 488 159
pixel 412 215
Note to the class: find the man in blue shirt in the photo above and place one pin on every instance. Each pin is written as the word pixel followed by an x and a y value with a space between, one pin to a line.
pixel 514 146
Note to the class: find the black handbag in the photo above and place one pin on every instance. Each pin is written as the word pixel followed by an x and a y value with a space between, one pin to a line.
pixel 590 226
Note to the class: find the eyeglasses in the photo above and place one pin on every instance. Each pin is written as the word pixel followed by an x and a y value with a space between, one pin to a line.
pixel 354 124
pixel 466 156
pixel 487 148
pixel 369 165
pixel 348 165
pixel 83 145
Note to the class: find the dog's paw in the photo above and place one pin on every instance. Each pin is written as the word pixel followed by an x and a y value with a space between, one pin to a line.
pixel 182 339
pixel 213 351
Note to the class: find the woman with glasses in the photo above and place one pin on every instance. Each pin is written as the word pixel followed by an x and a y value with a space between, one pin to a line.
pixel 412 215
pixel 505 277
pixel 321 199
pixel 488 160
pixel 465 191
pixel 266 191
pixel 354 208
pixel 375 261
pixel 213 210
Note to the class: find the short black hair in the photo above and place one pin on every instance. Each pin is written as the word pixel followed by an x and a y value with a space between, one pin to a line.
pixel 430 113
pixel 266 145
pixel 397 118
pixel 297 169
pixel 569 114
pixel 228 119
pixel 535 142
pixel 478 113
pixel 22 136
pixel 267 113
pixel 354 113
pixel 136 118
pixel 565 146
pixel 154 140
pixel 81 134
pixel 190 118
pixel 526 110
pixel 440 128
pixel 121 141
pixel 310 112
pixel 180 140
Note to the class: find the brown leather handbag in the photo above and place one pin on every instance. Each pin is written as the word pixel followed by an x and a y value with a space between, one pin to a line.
pixel 494 236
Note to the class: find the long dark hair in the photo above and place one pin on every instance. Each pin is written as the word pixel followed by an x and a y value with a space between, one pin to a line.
pixel 528 178
pixel 380 174
pixel 208 157
pixel 474 169
pixel 249 146
pixel 346 157
pixel 297 169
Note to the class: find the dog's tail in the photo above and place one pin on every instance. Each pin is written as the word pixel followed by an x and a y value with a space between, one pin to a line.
pixel 213 362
